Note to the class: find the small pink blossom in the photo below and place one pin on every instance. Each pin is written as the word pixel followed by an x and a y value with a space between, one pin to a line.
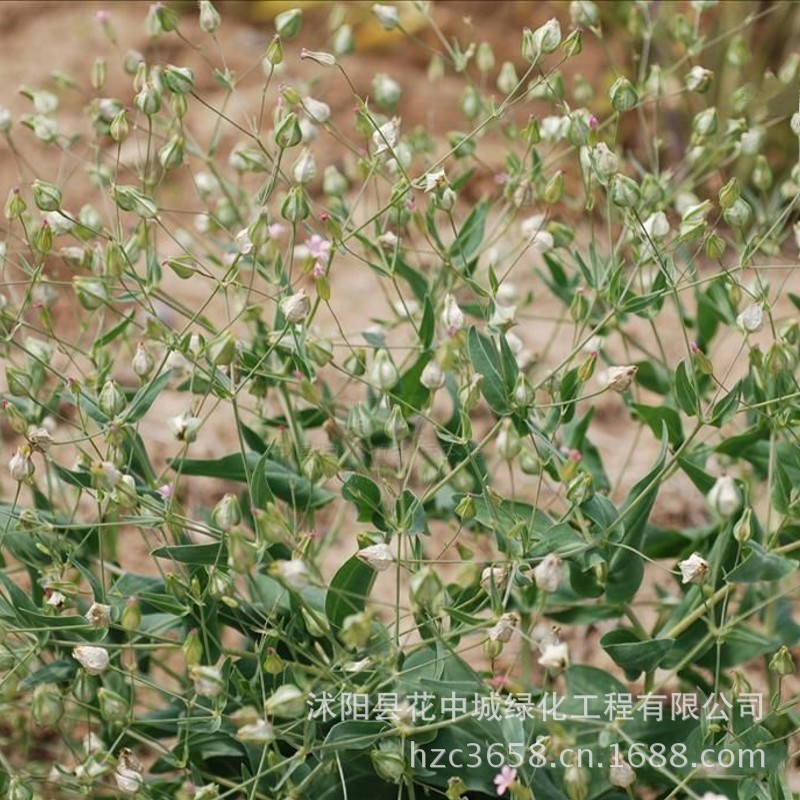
pixel 498 682
pixel 276 230
pixel 593 122
pixel 103 16
pixel 319 270
pixel 318 248
pixel 166 491
pixel 504 780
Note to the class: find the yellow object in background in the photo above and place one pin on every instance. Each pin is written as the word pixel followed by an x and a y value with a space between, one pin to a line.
pixel 368 31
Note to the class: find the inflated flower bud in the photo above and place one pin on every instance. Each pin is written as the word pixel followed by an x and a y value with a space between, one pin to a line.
pixel 751 320
pixel 555 656
pixel 287 702
pixel 222 350
pixel 624 192
pixel 210 19
pixel 504 628
pixel 288 23
pixel 305 168
pixel 21 465
pixel 548 574
pixel 171 154
pixel 94 660
pixel 507 80
pixel 739 214
pixel 377 556
pixel 782 662
pixel 699 79
pixel 387 90
pixel 148 100
pixel 553 190
pixel 99 615
pixel 113 707
pixel 386 15
pixel 762 174
pixel 743 529
pixel 706 122
pixel 207 680
pixel 111 400
pixel 623 95
pixel 318 57
pixel 296 307
pixel 383 374
pixel 143 363
pixel 295 208
pixel 544 40
pixel 47 705
pixel 16 421
pixel 620 773
pixel 396 427
pixel 227 512
pixel 294 574
pixel 15 205
pixel 508 442
pixel 432 376
pixel 617 379
pixel 129 773
pixel 725 497
pixel 184 427
pixel 288 133
pixel 46 196
pixel 256 733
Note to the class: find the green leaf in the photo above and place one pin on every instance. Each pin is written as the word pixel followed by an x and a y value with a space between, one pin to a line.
pixel 364 493
pixel 725 408
pixel 231 468
pixel 656 417
pixel 146 396
pixel 354 734
pixel 113 333
pixel 411 395
pixel 205 555
pixel 470 236
pixel 685 391
pixel 498 384
pixel 271 478
pixel 761 565
pixel 410 514
pixel 633 654
pixel 61 671
pixel 428 324
pixel 349 590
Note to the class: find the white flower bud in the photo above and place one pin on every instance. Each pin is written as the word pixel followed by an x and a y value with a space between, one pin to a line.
pixel 293 573
pixel 432 376
pixel 555 656
pixel 435 180
pixel 699 79
pixel 548 574
pixel 227 513
pixel 93 659
pixel 317 110
pixel 21 465
pixel 259 732
pixel 377 556
pixel 751 320
pixel 305 168
pixel 504 628
pixel 544 40
pixel 383 374
pixel 319 57
pixel 105 475
pixel 657 225
pixel 452 316
pixel 386 15
pixel 725 497
pixel 128 774
pixel 494 577
pixel 207 680
pixel 621 773
pixel 604 161
pixel 209 17
pixel 296 307
pixel 618 379
pixel 694 569
pixel 286 701
pixel 508 442
pixel 142 361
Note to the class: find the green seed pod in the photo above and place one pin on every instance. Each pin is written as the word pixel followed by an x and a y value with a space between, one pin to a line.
pixel 288 23
pixel 46 196
pixel 623 95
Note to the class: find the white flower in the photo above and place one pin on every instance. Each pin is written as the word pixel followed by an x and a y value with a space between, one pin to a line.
pixel 618 379
pixel 317 110
pixel 548 574
pixel 56 599
pixel 296 307
pixel 504 628
pixel 620 773
pixel 129 772
pixel 385 137
pixel 377 556
pixel 293 573
pixel 503 316
pixel 304 169
pixel 657 225
pixel 386 15
pixel 725 497
pixel 99 614
pixel 496 577
pixel 244 244
pixel 21 465
pixel 207 680
pixel 713 796
pixel 515 344
pixel 93 659
pixel 604 161
pixel 694 569
pixel 177 362
pixel 184 427
pixel 554 656
pixel 105 474
pixel 286 701
pixel 751 320
pixel 435 180
pixel 432 376
pixel 259 732
pixel 507 294
pixel 532 225
pixel 388 240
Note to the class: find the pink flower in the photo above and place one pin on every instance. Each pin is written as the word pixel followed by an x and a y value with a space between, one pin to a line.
pixel 504 779
pixel 593 122
pixel 103 16
pixel 276 230
pixel 319 270
pixel 166 491
pixel 318 248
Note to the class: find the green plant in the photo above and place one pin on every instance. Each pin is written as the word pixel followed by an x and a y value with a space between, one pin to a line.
pixel 405 499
